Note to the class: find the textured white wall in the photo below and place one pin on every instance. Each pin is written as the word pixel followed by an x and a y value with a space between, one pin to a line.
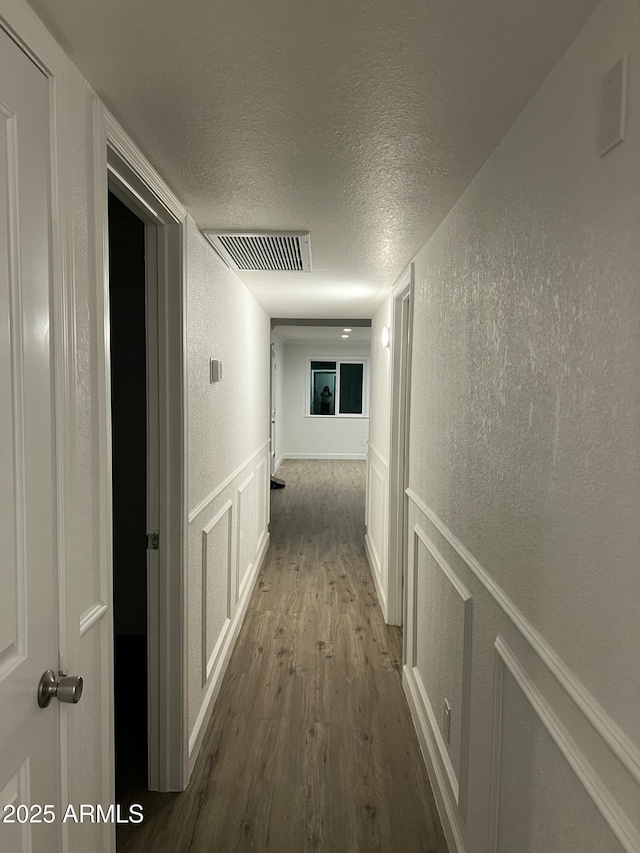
pixel 525 462
pixel 230 419
pixel 525 401
pixel 318 436
pixel 228 464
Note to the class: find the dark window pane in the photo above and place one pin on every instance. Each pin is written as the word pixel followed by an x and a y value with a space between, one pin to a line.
pixel 323 365
pixel 351 376
pixel 323 388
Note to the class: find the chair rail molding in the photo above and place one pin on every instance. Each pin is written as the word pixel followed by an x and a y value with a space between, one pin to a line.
pixel 623 748
pixel 619 824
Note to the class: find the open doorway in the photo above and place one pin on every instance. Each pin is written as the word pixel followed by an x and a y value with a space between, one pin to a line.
pixel 401 330
pixel 145 471
pixel 134 473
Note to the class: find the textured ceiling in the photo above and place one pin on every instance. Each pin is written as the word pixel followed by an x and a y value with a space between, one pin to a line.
pixel 360 121
pixel 305 334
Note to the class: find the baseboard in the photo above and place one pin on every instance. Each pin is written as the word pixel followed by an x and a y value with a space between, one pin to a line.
pixel 446 808
pixel 204 715
pixel 374 565
pixel 324 456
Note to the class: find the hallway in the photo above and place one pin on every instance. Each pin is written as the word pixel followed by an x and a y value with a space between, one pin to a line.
pixel 311 745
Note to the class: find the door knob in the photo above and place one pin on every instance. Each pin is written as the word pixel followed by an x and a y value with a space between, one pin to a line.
pixel 66 689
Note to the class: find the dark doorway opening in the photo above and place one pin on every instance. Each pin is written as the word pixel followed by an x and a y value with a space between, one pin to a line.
pixel 129 439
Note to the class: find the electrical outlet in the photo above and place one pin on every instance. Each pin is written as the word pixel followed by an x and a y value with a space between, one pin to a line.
pixel 447 721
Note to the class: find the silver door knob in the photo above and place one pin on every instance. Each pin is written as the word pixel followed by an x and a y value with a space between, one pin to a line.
pixel 66 689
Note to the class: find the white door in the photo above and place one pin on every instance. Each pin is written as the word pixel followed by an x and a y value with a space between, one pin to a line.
pixel 29 735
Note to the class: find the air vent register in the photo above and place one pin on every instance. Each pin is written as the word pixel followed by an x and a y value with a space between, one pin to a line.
pixel 275 251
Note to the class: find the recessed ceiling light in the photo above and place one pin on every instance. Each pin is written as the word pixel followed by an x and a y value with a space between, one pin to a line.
pixel 347 330
pixel 344 336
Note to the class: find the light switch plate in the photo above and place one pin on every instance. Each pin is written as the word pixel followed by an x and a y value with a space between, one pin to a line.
pixel 613 106
pixel 215 370
pixel 447 721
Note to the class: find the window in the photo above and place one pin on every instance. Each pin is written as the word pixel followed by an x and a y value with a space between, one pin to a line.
pixel 338 387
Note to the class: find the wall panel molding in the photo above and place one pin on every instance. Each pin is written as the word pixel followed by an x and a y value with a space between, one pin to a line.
pixel 377 495
pixel 623 748
pixel 261 508
pixel 204 503
pixel 209 659
pixel 379 455
pixel 222 657
pixel 245 531
pixel 446 805
pixel 246 505
pixel 621 827
pixel 457 781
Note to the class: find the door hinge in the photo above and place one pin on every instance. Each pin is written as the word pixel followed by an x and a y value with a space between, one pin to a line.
pixel 153 540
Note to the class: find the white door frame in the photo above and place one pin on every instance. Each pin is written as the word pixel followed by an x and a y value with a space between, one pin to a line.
pixel 401 336
pixel 119 164
pixel 272 408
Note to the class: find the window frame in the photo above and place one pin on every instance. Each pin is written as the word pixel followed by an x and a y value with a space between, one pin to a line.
pixel 355 359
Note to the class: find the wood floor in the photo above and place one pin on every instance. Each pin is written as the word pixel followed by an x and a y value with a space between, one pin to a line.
pixel 310 746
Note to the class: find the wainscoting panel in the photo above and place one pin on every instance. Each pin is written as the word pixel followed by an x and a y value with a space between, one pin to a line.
pixel 440 655
pixel 262 495
pixel 228 539
pixel 377 519
pixel 531 746
pixel 246 530
pixel 544 767
pixel 216 585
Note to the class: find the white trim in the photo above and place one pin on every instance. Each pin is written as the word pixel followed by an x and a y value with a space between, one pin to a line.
pixel 324 456
pixel 204 503
pixel 16 357
pixel 377 453
pixel 377 558
pixel 399 413
pixel 365 361
pixel 167 639
pixel 446 808
pixel 376 574
pixel 103 421
pixel 459 784
pixel 241 580
pixel 92 615
pixel 428 718
pixel 206 709
pixel 262 492
pixel 403 279
pixel 208 661
pixel 626 751
pixel 620 825
pixel 122 144
pixel 278 463
pixel 496 740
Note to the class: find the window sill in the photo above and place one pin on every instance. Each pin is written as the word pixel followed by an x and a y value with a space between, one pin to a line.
pixel 339 417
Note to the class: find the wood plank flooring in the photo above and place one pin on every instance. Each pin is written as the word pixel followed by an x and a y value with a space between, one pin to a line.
pixel 310 746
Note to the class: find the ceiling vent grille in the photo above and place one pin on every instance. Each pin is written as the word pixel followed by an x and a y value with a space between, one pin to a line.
pixel 263 251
